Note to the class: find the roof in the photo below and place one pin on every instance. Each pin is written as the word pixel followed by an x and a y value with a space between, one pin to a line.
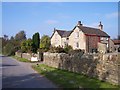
pixel 116 42
pixel 85 30
pixel 93 31
pixel 63 33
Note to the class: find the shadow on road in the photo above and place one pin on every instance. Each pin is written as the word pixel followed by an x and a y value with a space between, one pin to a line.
pixel 8 65
pixel 26 81
pixel 3 56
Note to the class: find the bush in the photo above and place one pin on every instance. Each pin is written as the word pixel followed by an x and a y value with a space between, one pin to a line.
pixel 77 52
pixel 68 49
pixel 57 50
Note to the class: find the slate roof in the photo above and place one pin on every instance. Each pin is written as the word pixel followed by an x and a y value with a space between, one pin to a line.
pixel 86 30
pixel 116 42
pixel 93 31
pixel 64 33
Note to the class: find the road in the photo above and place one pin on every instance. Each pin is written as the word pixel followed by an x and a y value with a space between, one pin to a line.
pixel 17 74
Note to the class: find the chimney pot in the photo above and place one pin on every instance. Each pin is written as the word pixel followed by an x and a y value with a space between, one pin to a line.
pixel 100 26
pixel 79 23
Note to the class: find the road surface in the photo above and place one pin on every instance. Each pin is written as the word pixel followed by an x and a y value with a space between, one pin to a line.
pixel 17 74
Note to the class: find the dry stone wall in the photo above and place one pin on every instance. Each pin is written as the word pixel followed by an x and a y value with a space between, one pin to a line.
pixel 104 67
pixel 28 56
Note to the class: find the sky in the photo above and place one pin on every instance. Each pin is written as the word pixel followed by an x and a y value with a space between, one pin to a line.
pixel 43 17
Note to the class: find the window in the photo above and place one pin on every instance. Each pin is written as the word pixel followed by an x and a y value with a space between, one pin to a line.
pixel 67 38
pixel 77 34
pixel 107 45
pixel 101 38
pixel 65 43
pixel 77 45
pixel 106 38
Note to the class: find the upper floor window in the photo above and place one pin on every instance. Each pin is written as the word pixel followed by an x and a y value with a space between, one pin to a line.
pixel 103 38
pixel 77 34
pixel 67 39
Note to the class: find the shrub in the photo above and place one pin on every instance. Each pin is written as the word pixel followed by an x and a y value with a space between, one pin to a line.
pixel 57 50
pixel 68 48
pixel 77 52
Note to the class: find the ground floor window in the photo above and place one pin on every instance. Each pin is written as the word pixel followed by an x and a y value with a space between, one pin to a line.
pixel 77 45
pixel 94 50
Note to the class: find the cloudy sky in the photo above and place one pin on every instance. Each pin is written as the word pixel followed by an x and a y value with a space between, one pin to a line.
pixel 43 17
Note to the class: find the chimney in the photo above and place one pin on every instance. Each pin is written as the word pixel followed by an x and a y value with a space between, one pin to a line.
pixel 100 26
pixel 79 23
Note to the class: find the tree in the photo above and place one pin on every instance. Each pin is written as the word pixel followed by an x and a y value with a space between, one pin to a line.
pixel 45 42
pixel 36 42
pixel 12 38
pixel 23 46
pixel 20 36
pixel 4 41
pixel 9 49
pixel 29 44
pixel 10 46
pixel 26 46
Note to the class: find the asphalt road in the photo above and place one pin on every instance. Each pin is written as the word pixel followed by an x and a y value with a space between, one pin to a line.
pixel 17 74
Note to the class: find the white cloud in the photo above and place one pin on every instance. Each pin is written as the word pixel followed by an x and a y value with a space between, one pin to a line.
pixel 51 22
pixel 112 15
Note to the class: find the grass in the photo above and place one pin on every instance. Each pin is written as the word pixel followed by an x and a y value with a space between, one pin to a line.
pixel 21 59
pixel 66 79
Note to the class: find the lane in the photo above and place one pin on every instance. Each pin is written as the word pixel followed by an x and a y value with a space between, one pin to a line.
pixel 20 75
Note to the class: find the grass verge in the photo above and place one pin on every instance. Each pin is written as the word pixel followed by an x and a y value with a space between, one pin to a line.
pixel 66 79
pixel 21 59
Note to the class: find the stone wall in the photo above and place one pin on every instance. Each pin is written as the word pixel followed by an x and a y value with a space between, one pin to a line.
pixel 27 55
pixel 102 48
pixel 103 67
pixel 18 54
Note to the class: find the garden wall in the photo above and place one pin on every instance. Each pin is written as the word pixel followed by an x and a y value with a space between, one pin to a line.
pixel 27 55
pixel 103 67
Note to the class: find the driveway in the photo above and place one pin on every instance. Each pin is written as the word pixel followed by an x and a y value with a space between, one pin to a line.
pixel 17 74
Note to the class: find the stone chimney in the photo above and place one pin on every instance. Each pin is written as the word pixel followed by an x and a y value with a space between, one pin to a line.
pixel 100 26
pixel 79 23
pixel 54 30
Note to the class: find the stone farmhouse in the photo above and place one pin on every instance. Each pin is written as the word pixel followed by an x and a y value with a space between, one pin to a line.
pixel 81 37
